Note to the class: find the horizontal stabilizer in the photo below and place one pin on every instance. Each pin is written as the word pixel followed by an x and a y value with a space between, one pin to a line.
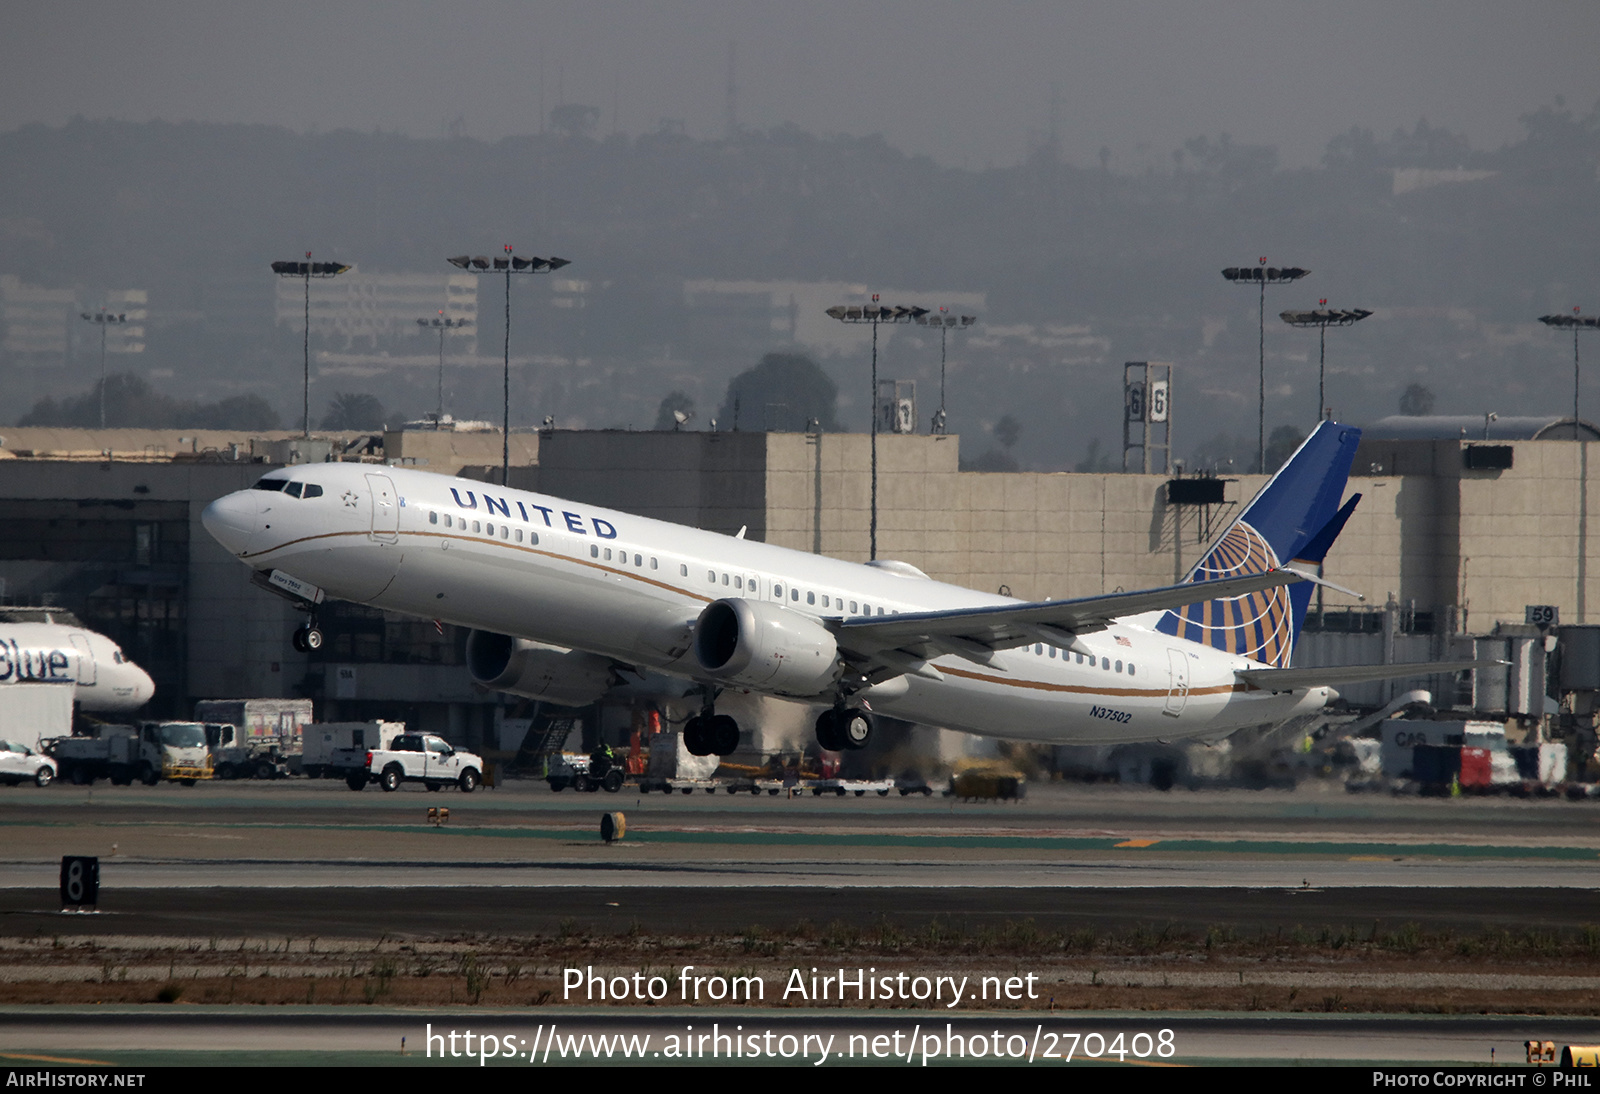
pixel 1290 679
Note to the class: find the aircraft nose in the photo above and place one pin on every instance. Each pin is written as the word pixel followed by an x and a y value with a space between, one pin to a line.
pixel 232 520
pixel 144 688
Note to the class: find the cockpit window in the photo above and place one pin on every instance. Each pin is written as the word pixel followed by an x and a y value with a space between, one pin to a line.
pixel 312 490
pixel 293 489
pixel 269 484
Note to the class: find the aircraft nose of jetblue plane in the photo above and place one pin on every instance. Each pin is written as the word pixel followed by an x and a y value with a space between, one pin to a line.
pixel 233 520
pixel 144 688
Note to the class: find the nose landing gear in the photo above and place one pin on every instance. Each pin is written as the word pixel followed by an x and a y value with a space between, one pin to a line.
pixel 308 638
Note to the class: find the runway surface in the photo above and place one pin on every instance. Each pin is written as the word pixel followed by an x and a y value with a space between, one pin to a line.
pixel 288 1036
pixel 243 857
pixel 313 860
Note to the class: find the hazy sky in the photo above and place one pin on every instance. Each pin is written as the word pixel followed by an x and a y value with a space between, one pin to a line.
pixel 966 83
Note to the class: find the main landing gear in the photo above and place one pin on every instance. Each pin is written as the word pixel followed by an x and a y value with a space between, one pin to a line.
pixel 844 728
pixel 707 734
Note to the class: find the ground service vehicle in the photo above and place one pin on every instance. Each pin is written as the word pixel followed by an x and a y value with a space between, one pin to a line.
pixel 423 758
pixel 253 738
pixel 338 750
pixel 19 763
pixel 154 751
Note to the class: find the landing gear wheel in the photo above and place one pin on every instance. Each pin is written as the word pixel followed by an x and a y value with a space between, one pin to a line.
pixel 308 639
pixel 697 736
pixel 724 735
pixel 855 728
pixel 829 738
pixel 468 781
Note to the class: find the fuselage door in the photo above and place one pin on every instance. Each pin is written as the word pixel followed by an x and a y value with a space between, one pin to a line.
pixel 1178 682
pixel 85 660
pixel 385 509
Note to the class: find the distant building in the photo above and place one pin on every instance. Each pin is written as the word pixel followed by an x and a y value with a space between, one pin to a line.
pixel 371 311
pixel 44 324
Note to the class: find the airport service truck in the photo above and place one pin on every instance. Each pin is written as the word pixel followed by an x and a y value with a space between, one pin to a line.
pixel 423 758
pixel 253 738
pixel 150 752
pixel 338 750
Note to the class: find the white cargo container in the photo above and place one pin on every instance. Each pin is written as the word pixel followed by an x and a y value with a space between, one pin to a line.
pixel 334 749
pixel 30 713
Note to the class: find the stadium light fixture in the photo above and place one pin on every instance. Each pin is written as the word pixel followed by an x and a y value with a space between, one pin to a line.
pixel 104 319
pixel 508 264
pixel 1577 324
pixel 946 323
pixel 306 270
pixel 1263 275
pixel 875 314
pixel 1322 317
pixel 442 324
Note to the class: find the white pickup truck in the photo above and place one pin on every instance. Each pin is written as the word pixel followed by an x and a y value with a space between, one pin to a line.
pixel 423 758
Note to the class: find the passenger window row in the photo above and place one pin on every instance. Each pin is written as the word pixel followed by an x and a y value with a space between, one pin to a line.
pixel 503 531
pixel 737 582
pixel 1041 650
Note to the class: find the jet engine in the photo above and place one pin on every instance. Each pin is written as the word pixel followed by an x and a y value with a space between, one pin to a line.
pixel 518 666
pixel 753 644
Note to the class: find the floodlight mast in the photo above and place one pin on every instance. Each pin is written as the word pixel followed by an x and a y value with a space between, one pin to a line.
pixel 1263 275
pixel 508 265
pixel 1578 324
pixel 1323 317
pixel 944 322
pixel 874 314
pixel 103 318
pixel 443 324
pixel 307 270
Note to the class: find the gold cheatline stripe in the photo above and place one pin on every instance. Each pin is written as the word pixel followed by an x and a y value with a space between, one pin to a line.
pixel 1040 685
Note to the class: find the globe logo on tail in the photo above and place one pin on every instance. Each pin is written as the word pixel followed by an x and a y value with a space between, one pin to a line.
pixel 1258 626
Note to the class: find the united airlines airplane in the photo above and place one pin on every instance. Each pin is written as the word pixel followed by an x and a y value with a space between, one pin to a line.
pixel 48 652
pixel 565 600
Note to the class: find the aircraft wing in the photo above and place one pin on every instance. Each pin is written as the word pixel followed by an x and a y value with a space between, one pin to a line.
pixel 904 643
pixel 1290 679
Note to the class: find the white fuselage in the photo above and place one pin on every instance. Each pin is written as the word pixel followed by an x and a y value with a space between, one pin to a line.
pixel 631 588
pixel 54 653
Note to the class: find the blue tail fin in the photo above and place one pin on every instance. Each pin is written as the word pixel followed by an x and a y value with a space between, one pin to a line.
pixel 1296 516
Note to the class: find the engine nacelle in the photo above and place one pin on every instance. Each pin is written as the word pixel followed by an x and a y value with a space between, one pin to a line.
pixel 518 666
pixel 753 644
